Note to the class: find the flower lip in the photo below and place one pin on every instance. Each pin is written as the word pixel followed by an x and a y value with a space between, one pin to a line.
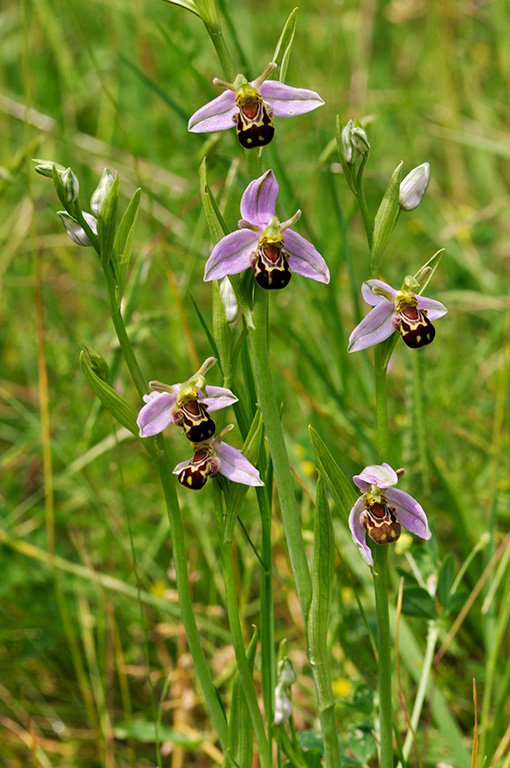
pixel 212 456
pixel 383 510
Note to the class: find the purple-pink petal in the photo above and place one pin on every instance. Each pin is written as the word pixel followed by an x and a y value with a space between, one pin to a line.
pixel 381 475
pixel 216 115
pixel 304 258
pixel 235 466
pixel 287 101
pixel 231 255
pixel 259 199
pixel 433 308
pixel 374 328
pixel 358 532
pixel 410 514
pixel 156 414
pixel 217 397
pixel 372 298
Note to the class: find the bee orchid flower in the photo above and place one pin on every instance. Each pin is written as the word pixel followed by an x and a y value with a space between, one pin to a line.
pixel 271 248
pixel 403 310
pixel 251 107
pixel 186 405
pixel 212 456
pixel 383 510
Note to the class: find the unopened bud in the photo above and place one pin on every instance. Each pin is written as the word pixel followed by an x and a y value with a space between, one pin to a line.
pixel 282 705
pixel 75 230
pixel 229 300
pixel 99 365
pixel 359 139
pixel 100 192
pixel 70 185
pixel 354 141
pixel 45 167
pixel 414 186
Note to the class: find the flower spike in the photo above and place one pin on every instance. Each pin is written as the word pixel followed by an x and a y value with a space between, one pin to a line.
pixel 403 310
pixel 383 510
pixel 251 106
pixel 272 249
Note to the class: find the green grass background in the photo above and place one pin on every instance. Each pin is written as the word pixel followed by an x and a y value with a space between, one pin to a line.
pixel 110 83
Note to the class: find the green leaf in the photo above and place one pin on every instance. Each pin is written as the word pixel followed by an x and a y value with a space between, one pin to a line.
pixel 124 241
pixel 361 741
pixel 145 731
pixel 106 221
pixel 416 601
pixel 240 729
pixel 283 47
pixel 339 486
pixel 59 187
pixel 188 4
pixel 237 491
pixel 386 218
pixel 221 330
pixel 112 401
pixel 215 223
pixel 445 580
pixel 362 699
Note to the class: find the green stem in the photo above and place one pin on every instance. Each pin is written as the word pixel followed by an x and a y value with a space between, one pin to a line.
pixel 419 419
pixel 380 576
pixel 253 163
pixel 237 635
pixel 209 15
pixel 185 601
pixel 274 433
pixel 267 653
pixel 368 221
pixel 120 330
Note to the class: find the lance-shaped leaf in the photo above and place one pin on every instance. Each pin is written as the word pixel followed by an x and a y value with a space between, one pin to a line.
pixel 237 492
pixel 124 413
pixel 339 486
pixel 386 217
pixel 283 47
pixel 240 729
pixel 188 4
pixel 106 221
pixel 322 579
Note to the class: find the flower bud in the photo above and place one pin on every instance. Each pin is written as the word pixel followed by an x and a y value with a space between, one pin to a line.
pixel 45 167
pixel 99 365
pixel 75 230
pixel 100 192
pixel 229 300
pixel 354 142
pixel 70 185
pixel 359 139
pixel 282 705
pixel 414 186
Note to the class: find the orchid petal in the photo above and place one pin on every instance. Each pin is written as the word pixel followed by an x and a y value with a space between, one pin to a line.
pixel 433 308
pixel 75 230
pixel 259 199
pixel 381 475
pixel 156 414
pixel 235 466
pixel 217 397
pixel 216 115
pixel 410 514
pixel 358 532
pixel 287 101
pixel 373 298
pixel 374 328
pixel 304 258
pixel 231 255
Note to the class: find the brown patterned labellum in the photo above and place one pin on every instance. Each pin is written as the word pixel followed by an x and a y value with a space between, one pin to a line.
pixel 254 124
pixel 201 466
pixel 196 422
pixel 272 270
pixel 380 522
pixel 415 328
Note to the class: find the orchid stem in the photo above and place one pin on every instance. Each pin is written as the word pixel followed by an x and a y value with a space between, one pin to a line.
pixel 380 576
pixel 274 433
pixel 360 195
pixel 237 635
pixel 185 601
